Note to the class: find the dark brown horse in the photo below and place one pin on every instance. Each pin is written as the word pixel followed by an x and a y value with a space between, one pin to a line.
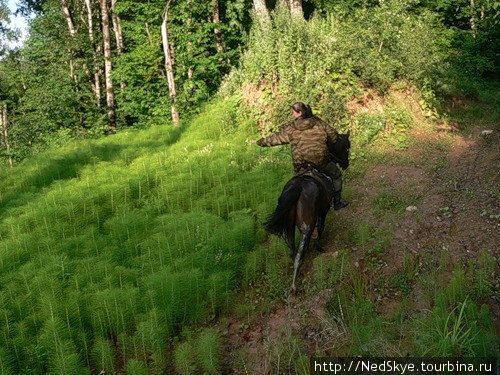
pixel 304 204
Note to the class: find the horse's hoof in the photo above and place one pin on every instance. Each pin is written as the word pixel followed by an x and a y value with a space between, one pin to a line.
pixel 320 249
pixel 292 290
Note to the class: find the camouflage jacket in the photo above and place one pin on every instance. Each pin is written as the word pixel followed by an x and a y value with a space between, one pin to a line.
pixel 308 138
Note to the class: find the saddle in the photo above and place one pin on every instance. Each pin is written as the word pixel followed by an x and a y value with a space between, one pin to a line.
pixel 314 172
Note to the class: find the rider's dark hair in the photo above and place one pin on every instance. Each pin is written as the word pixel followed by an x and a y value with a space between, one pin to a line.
pixel 304 108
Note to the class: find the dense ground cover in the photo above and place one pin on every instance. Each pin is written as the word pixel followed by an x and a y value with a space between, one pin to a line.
pixel 110 246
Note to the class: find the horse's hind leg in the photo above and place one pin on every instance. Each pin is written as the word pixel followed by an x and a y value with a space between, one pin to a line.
pixel 305 237
pixel 290 232
pixel 321 227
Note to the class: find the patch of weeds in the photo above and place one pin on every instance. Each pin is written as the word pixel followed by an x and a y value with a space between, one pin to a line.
pixel 353 313
pixel 410 266
pixel 285 352
pixel 398 122
pixel 400 281
pixel 441 164
pixel 459 330
pixel 387 201
pixel 361 234
pixel 375 253
pixel 254 265
pixel 483 275
pixel 445 212
pixel 456 289
pixel 328 270
pixel 199 354
pixel 428 284
pixel 456 326
pixel 403 311
pixel 368 126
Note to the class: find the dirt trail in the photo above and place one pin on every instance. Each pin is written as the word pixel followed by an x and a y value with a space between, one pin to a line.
pixel 454 181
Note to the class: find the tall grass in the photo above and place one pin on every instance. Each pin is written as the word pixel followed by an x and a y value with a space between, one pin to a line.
pixel 108 247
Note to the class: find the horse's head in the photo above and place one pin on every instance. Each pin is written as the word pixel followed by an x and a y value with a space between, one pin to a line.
pixel 340 150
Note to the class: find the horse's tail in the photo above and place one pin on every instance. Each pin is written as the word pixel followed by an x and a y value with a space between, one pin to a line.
pixel 277 221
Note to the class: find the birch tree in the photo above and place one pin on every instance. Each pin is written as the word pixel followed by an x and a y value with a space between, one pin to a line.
pixel 262 13
pixel 169 66
pixel 96 86
pixel 117 28
pixel 296 8
pixel 5 132
pixel 110 95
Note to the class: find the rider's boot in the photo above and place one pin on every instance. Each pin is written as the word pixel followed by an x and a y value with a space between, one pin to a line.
pixel 337 202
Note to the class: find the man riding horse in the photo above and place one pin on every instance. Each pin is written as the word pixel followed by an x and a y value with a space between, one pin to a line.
pixel 309 137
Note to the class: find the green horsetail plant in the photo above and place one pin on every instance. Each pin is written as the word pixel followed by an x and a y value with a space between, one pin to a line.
pixel 208 348
pixel 103 356
pixel 185 359
pixel 136 367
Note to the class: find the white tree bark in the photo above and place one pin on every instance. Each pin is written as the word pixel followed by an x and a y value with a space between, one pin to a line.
pixel 262 13
pixel 67 16
pixel 117 28
pixel 169 66
pixel 473 18
pixel 108 68
pixel 219 43
pixel 96 86
pixel 296 8
pixel 5 132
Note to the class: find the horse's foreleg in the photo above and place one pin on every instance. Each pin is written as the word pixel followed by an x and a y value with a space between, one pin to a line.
pixel 305 237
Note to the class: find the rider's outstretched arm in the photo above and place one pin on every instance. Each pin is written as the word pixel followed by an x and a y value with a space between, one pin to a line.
pixel 280 138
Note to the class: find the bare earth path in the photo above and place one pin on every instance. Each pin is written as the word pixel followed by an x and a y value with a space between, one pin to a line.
pixel 452 179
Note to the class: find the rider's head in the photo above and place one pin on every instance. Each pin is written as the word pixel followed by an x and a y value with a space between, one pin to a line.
pixel 300 109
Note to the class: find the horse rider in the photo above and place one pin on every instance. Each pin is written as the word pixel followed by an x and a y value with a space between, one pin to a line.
pixel 309 136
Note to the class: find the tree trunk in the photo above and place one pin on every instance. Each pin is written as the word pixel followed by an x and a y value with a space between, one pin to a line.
pixel 5 132
pixel 72 32
pixel 148 34
pixel 473 18
pixel 69 19
pixel 96 86
pixel 219 43
pixel 282 3
pixel 296 8
pixel 110 95
pixel 117 28
pixel 260 9
pixel 169 67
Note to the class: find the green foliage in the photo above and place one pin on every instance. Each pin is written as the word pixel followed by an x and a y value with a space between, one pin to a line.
pixel 110 246
pixel 136 367
pixel 327 59
pixel 199 354
pixel 355 313
pixel 328 270
pixel 102 354
pixel 387 201
pixel 456 327
pixel 209 351
pixel 185 358
pixel 369 125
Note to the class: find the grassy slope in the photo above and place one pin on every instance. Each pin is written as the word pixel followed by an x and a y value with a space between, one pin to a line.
pixel 105 241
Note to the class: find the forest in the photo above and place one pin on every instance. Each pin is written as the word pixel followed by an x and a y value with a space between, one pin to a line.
pixel 132 198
